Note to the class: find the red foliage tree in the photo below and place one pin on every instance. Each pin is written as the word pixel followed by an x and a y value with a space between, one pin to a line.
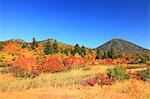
pixel 53 64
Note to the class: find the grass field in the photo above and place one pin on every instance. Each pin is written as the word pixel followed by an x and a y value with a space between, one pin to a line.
pixel 67 85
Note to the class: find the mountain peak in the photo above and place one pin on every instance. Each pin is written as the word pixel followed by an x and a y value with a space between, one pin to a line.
pixel 116 39
pixel 124 46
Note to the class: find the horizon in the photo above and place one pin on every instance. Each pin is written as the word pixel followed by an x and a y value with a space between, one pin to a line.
pixel 90 23
pixel 76 43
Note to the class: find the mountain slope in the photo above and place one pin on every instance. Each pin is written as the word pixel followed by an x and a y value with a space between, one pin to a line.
pixel 61 44
pixel 16 40
pixel 123 46
pixel 43 42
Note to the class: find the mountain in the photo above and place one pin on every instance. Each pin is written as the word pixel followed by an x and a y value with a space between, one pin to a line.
pixel 61 44
pixel 16 40
pixel 123 46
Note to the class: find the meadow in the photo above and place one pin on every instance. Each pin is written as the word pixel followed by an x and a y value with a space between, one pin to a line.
pixel 69 84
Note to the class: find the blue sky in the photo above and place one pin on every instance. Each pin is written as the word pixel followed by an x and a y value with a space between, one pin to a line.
pixel 86 22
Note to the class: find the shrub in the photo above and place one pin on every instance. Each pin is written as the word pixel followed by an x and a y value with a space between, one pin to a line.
pixel 107 61
pixel 74 62
pixel 24 46
pixel 119 60
pixel 119 73
pixel 135 75
pixel 25 67
pixel 100 80
pixel 67 63
pixel 53 64
pixel 146 74
pixel 31 67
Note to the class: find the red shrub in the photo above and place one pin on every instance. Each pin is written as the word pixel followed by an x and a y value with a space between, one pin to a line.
pixel 119 60
pixel 110 61
pixel 30 66
pixel 68 62
pixel 74 62
pixel 107 61
pixel 135 75
pixel 73 59
pixel 101 80
pixel 83 63
pixel 25 67
pixel 53 64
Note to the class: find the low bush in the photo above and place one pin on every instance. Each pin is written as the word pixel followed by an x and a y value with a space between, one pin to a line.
pixel 100 80
pixel 111 61
pixel 146 74
pixel 74 62
pixel 67 63
pixel 135 75
pixel 119 73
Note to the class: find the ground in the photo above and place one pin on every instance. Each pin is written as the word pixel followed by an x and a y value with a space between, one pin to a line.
pixel 66 85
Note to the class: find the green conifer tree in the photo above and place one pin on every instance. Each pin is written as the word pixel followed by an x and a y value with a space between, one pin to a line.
pixel 98 54
pixel 105 56
pixel 48 49
pixel 34 44
pixel 55 47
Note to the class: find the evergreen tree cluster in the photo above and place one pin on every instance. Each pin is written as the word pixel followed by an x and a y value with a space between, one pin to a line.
pixel 77 49
pixel 107 54
pixel 51 48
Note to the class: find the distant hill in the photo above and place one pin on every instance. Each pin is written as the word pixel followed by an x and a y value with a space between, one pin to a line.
pixel 61 44
pixel 123 46
pixel 16 40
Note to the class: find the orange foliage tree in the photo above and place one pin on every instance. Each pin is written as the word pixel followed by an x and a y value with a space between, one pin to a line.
pixel 26 67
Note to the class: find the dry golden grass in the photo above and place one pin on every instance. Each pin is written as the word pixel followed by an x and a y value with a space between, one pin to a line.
pixel 130 89
pixel 66 85
pixel 75 76
pixel 6 77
